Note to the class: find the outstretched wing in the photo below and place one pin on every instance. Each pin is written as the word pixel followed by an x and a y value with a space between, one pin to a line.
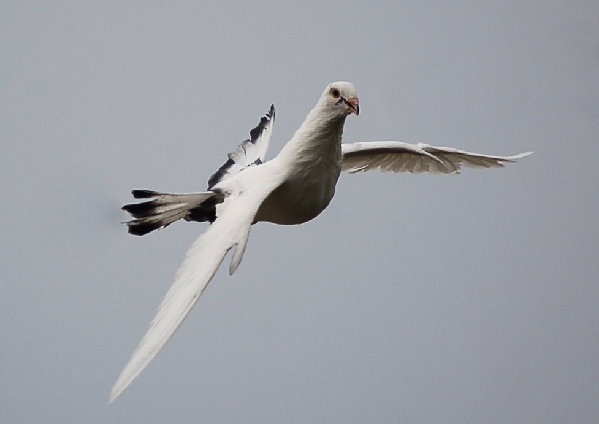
pixel 231 229
pixel 397 156
pixel 250 152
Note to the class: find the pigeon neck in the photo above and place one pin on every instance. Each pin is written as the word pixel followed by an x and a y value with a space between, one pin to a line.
pixel 321 127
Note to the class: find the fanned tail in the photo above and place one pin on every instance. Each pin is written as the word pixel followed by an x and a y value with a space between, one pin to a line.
pixel 166 208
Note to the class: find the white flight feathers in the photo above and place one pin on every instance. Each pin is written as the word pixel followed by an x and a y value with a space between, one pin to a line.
pixel 292 188
pixel 397 156
pixel 231 229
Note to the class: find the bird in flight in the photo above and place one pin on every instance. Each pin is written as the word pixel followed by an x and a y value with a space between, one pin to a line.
pixel 292 188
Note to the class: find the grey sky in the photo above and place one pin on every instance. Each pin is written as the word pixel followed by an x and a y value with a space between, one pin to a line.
pixel 411 299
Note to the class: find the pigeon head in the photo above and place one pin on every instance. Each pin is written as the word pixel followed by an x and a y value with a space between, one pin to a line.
pixel 341 97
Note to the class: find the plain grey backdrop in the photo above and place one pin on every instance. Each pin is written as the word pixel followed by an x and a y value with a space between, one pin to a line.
pixel 412 299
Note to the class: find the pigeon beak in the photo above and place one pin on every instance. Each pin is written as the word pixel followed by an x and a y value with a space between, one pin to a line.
pixel 354 105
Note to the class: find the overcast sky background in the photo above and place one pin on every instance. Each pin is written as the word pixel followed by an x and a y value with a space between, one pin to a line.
pixel 411 299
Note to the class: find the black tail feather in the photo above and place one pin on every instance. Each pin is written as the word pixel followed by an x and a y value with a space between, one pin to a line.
pixel 140 228
pixel 140 210
pixel 144 194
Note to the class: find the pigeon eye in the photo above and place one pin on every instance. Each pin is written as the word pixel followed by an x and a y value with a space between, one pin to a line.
pixel 335 93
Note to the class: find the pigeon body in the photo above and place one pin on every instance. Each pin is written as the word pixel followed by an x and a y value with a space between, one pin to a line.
pixel 292 188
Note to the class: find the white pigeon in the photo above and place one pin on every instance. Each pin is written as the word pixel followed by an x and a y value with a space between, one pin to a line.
pixel 293 188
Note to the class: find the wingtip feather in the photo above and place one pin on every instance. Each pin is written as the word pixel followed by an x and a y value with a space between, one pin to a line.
pixel 520 156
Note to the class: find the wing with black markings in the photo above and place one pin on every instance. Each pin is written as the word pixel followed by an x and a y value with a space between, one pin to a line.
pixel 250 152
